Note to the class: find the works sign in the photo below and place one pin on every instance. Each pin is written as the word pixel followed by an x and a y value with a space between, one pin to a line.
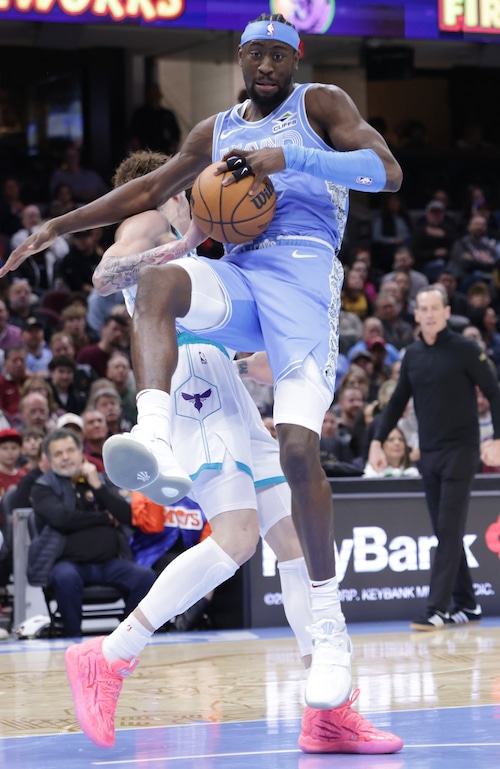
pixel 470 16
pixel 384 547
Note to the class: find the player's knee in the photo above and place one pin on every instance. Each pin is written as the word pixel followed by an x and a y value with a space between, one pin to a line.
pixel 299 454
pixel 163 285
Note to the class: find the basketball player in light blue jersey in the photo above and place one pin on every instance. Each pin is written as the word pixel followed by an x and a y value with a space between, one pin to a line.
pixel 281 292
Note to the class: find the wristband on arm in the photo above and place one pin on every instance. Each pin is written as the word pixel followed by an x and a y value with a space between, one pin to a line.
pixel 357 170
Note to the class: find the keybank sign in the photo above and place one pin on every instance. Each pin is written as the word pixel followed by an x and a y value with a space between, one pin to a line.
pixel 370 550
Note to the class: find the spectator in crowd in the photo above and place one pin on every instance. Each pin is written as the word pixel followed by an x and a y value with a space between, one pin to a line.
pixel 97 355
pixel 74 321
pixel 161 534
pixel 62 382
pixel 40 269
pixel 353 297
pixel 19 300
pixel 486 320
pixel 377 347
pixel 261 394
pixel 76 269
pixel 153 126
pixel 38 354
pixel 107 401
pixel 396 331
pixel 478 297
pixel 119 373
pixel 89 513
pixel 14 375
pixel 486 430
pixel 397 455
pixel 402 280
pixel 373 328
pixel 347 406
pixel 356 376
pixel 62 344
pixel 85 183
pixel 62 201
pixel 433 240
pixel 456 299
pixel 30 447
pixel 95 432
pixel 474 257
pixel 22 495
pixel 10 452
pixel 391 228
pixel 370 289
pixel 384 392
pixel 332 450
pixel 472 139
pixel 35 412
pixel 71 422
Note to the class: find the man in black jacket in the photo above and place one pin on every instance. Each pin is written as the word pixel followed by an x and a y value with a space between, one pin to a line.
pixel 83 506
pixel 441 371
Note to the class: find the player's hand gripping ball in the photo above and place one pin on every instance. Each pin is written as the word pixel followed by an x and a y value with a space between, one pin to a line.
pixel 229 214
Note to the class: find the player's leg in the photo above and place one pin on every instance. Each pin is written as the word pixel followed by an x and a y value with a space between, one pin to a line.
pixel 301 401
pixel 336 730
pixel 96 668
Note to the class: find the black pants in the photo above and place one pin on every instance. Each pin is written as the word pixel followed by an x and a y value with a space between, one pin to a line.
pixel 447 477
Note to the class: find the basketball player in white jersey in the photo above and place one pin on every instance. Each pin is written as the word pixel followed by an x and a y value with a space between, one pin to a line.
pixel 234 463
pixel 280 292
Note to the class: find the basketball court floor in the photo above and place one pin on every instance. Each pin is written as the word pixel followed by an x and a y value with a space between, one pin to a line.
pixel 233 700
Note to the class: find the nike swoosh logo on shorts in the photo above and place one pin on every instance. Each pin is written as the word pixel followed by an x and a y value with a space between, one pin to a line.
pixel 297 255
pixel 225 134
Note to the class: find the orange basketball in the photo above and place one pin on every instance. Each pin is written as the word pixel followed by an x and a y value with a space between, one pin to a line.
pixel 229 214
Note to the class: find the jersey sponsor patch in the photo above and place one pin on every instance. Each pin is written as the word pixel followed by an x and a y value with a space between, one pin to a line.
pixel 367 180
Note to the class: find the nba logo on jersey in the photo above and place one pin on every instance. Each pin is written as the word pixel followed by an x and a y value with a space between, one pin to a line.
pixel 270 30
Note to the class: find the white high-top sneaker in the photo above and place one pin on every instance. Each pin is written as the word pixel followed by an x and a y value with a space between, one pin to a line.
pixel 140 462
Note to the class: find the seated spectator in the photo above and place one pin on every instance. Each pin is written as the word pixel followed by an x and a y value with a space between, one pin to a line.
pixel 74 324
pixel 433 240
pixel 62 344
pixel 97 355
pixel 87 513
pixel 62 201
pixel 404 262
pixel 38 354
pixel 486 320
pixel 347 405
pixel 40 269
pixel 486 431
pixel 85 183
pixel 357 377
pixel 30 448
pixel 62 383
pixel 478 298
pixel 13 377
pixel 76 269
pixel 100 307
pixel 10 452
pixel 392 228
pixel 35 412
pixel 373 328
pixel 353 298
pixel 396 331
pixel 161 534
pixel 456 299
pixel 474 257
pixel 119 373
pixel 95 433
pixel 107 401
pixel 407 312
pixel 19 302
pixel 331 449
pixel 397 455
pixel 11 206
pixel 369 288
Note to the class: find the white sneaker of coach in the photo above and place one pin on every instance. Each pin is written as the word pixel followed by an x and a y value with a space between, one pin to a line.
pixel 139 462
pixel 329 683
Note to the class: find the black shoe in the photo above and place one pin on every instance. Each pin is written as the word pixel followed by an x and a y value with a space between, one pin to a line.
pixel 465 616
pixel 433 620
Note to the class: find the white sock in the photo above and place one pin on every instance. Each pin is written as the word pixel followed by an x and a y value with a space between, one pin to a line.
pixel 153 412
pixel 296 592
pixel 188 578
pixel 127 641
pixel 325 600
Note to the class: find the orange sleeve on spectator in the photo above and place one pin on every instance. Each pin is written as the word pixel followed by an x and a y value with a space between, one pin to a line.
pixel 147 515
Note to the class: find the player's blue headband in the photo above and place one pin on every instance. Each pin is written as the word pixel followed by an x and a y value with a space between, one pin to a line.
pixel 271 30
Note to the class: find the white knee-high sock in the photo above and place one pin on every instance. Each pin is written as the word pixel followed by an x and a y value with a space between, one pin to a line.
pixel 182 583
pixel 296 592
